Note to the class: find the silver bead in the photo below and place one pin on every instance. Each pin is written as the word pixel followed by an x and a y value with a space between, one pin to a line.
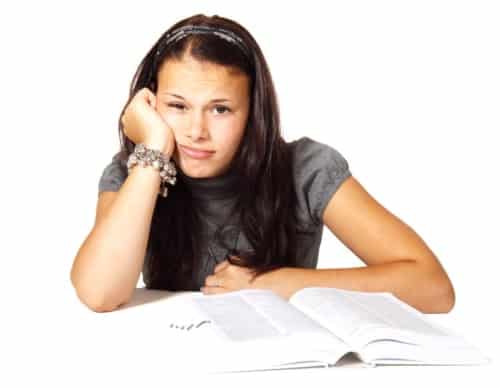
pixel 157 165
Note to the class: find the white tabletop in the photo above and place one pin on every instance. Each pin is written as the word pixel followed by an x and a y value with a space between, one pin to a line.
pixel 62 341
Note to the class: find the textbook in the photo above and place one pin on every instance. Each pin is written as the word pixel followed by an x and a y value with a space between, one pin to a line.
pixel 256 329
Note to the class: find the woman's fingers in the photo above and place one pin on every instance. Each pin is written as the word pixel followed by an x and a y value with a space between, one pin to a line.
pixel 221 266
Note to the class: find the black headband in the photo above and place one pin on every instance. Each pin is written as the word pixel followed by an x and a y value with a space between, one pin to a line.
pixel 183 31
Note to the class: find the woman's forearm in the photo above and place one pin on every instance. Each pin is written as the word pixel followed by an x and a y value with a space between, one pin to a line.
pixel 109 262
pixel 425 289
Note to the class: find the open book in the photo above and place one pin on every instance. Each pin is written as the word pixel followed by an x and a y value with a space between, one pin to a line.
pixel 255 329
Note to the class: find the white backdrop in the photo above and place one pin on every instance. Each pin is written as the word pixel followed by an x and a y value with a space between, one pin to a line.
pixel 408 92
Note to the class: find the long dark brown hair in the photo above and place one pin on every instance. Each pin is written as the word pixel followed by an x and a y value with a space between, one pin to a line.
pixel 266 197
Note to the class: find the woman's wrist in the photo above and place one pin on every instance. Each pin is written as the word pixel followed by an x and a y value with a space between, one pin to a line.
pixel 149 153
pixel 160 145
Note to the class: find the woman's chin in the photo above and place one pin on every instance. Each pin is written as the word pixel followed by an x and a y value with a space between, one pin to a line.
pixel 195 168
pixel 193 171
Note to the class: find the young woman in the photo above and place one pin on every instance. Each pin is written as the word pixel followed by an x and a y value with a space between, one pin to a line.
pixel 246 208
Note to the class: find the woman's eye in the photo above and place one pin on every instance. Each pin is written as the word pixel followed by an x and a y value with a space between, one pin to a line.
pixel 176 105
pixel 222 107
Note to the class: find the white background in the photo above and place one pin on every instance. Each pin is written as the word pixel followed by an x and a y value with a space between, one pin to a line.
pixel 408 92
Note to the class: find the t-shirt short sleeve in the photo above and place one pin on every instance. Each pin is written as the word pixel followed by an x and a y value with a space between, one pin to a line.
pixel 319 170
pixel 113 175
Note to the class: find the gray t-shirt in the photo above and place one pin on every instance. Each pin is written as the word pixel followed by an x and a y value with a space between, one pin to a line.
pixel 319 170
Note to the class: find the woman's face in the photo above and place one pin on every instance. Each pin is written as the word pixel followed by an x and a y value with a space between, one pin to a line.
pixel 185 99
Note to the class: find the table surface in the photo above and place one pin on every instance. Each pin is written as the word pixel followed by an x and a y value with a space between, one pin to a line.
pixel 65 342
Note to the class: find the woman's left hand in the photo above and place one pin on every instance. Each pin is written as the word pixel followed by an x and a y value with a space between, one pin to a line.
pixel 227 278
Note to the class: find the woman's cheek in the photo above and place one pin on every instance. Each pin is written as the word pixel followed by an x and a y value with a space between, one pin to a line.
pixel 173 120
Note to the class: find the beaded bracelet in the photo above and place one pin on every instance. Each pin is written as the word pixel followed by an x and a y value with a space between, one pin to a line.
pixel 144 156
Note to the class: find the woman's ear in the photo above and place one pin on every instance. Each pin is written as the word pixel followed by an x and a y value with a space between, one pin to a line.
pixel 152 100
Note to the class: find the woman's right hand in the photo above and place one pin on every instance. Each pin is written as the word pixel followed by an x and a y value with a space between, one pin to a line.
pixel 143 124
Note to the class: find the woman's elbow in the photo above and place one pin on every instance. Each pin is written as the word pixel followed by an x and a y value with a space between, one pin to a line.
pixel 102 308
pixel 444 300
pixel 450 298
pixel 440 291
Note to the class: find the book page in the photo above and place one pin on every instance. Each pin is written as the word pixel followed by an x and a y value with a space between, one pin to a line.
pixel 259 314
pixel 348 313
pixel 263 330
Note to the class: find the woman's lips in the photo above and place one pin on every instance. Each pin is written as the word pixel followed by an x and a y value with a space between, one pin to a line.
pixel 196 154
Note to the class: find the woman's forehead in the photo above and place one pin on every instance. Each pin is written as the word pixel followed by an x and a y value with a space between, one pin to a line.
pixel 192 74
pixel 191 65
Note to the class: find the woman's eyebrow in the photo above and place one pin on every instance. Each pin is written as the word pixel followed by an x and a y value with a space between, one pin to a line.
pixel 212 101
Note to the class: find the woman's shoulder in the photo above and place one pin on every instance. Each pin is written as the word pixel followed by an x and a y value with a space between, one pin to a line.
pixel 306 147
pixel 318 169
pixel 310 156
pixel 114 173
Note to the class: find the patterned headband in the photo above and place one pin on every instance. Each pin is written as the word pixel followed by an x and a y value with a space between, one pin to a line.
pixel 183 31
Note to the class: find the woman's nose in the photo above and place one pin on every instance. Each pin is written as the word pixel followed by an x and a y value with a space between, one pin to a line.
pixel 198 127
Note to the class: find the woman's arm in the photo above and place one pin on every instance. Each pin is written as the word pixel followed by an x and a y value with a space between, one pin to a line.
pixel 410 282
pixel 398 260
pixel 108 264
